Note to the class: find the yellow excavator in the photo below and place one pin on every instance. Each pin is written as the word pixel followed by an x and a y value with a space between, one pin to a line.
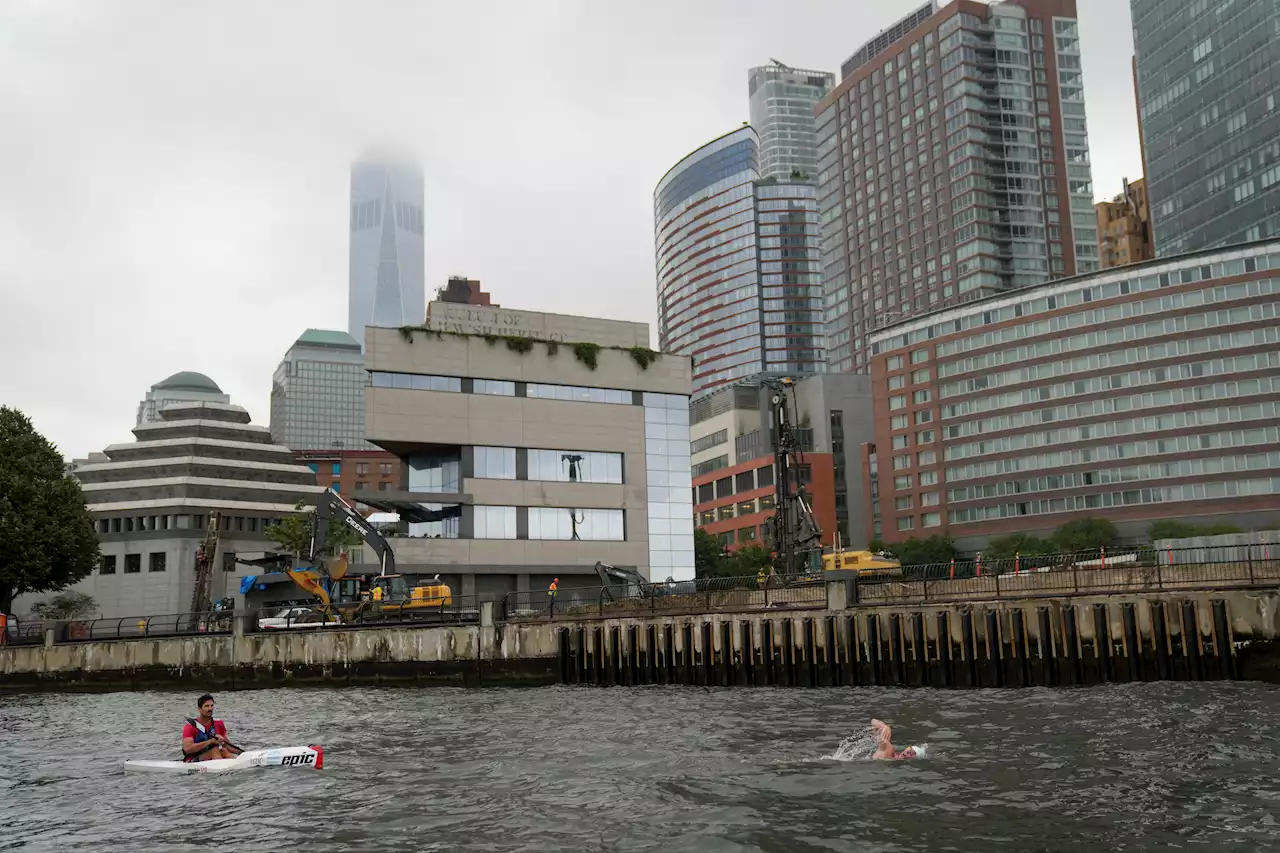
pixel 864 562
pixel 360 597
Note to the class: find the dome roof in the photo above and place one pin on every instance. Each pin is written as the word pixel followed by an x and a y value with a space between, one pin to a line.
pixel 188 380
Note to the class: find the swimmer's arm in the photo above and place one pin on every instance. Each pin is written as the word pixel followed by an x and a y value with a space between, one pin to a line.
pixel 883 729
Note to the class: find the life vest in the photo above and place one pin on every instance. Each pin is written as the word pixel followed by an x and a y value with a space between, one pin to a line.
pixel 202 735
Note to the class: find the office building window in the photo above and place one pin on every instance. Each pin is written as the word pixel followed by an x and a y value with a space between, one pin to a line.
pixel 108 565
pixel 575 466
pixel 493 387
pixel 554 523
pixel 132 564
pixel 157 561
pixel 495 463
pixel 494 522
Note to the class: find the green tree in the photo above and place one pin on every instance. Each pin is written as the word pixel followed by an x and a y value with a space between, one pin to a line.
pixel 292 534
pixel 1171 530
pixel 1220 529
pixel 709 555
pixel 748 560
pixel 1015 544
pixel 65 605
pixel 47 537
pixel 921 552
pixel 1084 534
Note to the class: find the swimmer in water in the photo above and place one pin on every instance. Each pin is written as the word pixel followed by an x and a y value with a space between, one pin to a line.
pixel 884 748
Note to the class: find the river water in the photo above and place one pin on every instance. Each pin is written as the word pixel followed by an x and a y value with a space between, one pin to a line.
pixel 1136 767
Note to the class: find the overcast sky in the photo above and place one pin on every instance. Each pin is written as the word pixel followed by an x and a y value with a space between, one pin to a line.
pixel 174 175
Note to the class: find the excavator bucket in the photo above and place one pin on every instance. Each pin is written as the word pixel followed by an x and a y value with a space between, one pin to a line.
pixel 338 570
pixel 310 581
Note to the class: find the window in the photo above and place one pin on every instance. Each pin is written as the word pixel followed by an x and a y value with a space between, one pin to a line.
pixel 337 469
pixel 745 482
pixel 920 375
pixel 929 499
pixel 925 436
pixel 897 382
pixel 552 523
pixel 898 401
pixel 902 482
pixel 707 442
pixel 493 387
pixel 764 478
pixel 921 396
pixel 108 565
pixel 572 393
pixel 384 468
pixel 901 441
pixel 494 522
pixel 894 362
pixel 574 466
pixel 924 416
pixel 361 485
pixel 724 487
pixel 157 561
pixel 724 513
pixel 898 422
pixel 927 457
pixel 746 507
pixel 362 468
pixel 902 502
pixel 707 516
pixel 414 381
pixel 132 564
pixel 907 522
pixel 495 463
pixel 931 519
pixel 747 534
pixel 919 356
pixel 901 462
pixel 384 486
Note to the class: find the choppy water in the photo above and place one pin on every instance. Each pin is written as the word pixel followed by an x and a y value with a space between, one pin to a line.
pixel 1139 767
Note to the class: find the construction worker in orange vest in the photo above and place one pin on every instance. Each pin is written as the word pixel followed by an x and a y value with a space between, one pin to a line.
pixel 551 595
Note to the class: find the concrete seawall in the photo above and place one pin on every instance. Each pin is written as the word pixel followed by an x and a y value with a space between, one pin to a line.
pixel 450 655
pixel 1032 641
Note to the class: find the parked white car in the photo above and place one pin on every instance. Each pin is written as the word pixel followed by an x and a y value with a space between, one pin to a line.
pixel 295 616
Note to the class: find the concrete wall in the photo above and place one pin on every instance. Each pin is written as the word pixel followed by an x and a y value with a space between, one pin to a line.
pixel 448 654
pixel 469 356
pixel 508 322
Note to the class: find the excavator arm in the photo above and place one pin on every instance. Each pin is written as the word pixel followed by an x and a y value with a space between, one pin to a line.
pixel 331 505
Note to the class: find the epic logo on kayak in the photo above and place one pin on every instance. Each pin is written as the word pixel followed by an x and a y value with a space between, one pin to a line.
pixel 292 760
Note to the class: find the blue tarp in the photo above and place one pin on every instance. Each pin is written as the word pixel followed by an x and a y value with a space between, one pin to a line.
pixel 246 584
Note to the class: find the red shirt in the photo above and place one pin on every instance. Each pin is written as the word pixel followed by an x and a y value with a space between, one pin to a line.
pixel 190 731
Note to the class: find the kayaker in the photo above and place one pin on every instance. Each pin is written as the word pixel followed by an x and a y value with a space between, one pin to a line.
pixel 204 738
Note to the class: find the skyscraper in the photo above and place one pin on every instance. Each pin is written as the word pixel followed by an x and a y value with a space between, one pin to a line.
pixel 739 287
pixel 782 100
pixel 953 163
pixel 317 394
pixel 184 387
pixel 387 287
pixel 1207 84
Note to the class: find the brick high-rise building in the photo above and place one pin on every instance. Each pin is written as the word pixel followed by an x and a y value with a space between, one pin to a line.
pixel 1124 227
pixel 953 164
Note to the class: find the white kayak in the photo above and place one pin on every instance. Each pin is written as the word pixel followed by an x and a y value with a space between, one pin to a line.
pixel 311 756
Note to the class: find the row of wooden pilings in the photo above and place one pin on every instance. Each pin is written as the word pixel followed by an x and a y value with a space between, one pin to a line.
pixel 1011 646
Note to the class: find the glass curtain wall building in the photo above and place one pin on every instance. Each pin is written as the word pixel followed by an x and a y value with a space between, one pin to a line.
pixel 739 285
pixel 1208 76
pixel 953 165
pixel 317 394
pixel 386 284
pixel 782 100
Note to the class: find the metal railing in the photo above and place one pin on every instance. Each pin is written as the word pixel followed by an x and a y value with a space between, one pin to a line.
pixel 1139 569
pixel 461 610
pixel 703 595
pixel 135 627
